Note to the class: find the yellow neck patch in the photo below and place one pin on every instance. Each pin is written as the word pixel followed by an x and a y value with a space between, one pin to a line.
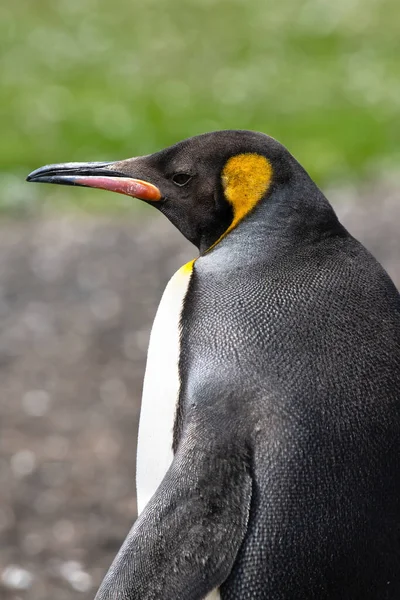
pixel 187 268
pixel 245 179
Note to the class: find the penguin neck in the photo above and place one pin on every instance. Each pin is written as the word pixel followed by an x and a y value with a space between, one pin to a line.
pixel 290 217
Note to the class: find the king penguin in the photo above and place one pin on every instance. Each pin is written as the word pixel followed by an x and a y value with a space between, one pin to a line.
pixel 268 463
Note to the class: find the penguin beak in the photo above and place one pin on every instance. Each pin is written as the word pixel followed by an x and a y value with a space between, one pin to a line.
pixel 101 175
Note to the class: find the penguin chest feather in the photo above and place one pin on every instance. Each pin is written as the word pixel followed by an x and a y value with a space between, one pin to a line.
pixel 160 390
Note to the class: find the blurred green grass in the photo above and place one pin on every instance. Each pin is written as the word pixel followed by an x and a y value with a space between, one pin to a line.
pixel 99 80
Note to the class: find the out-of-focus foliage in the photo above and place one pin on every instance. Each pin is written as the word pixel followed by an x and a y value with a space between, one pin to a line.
pixel 94 79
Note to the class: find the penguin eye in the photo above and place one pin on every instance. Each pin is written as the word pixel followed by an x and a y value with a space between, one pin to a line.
pixel 181 178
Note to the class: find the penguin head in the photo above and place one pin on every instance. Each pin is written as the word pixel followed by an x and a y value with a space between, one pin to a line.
pixel 205 185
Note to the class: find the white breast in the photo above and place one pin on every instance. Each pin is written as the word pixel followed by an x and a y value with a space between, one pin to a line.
pixel 160 390
pixel 214 595
pixel 160 393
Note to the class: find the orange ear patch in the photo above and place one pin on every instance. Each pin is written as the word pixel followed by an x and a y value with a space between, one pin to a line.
pixel 245 178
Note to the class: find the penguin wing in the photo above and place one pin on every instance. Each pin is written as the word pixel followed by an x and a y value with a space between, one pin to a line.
pixel 185 542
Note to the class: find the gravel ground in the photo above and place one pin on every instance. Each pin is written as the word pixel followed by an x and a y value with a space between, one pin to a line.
pixel 77 297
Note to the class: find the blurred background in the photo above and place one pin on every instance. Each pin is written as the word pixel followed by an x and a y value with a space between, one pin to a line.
pixel 82 271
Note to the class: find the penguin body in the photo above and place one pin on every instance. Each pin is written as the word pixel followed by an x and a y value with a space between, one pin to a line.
pixel 325 505
pixel 280 428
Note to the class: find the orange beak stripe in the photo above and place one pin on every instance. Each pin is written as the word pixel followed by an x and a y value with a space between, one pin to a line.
pixel 143 190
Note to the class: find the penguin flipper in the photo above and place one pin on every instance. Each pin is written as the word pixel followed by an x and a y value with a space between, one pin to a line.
pixel 186 540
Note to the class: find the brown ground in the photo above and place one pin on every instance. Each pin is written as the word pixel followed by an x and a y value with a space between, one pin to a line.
pixel 77 297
